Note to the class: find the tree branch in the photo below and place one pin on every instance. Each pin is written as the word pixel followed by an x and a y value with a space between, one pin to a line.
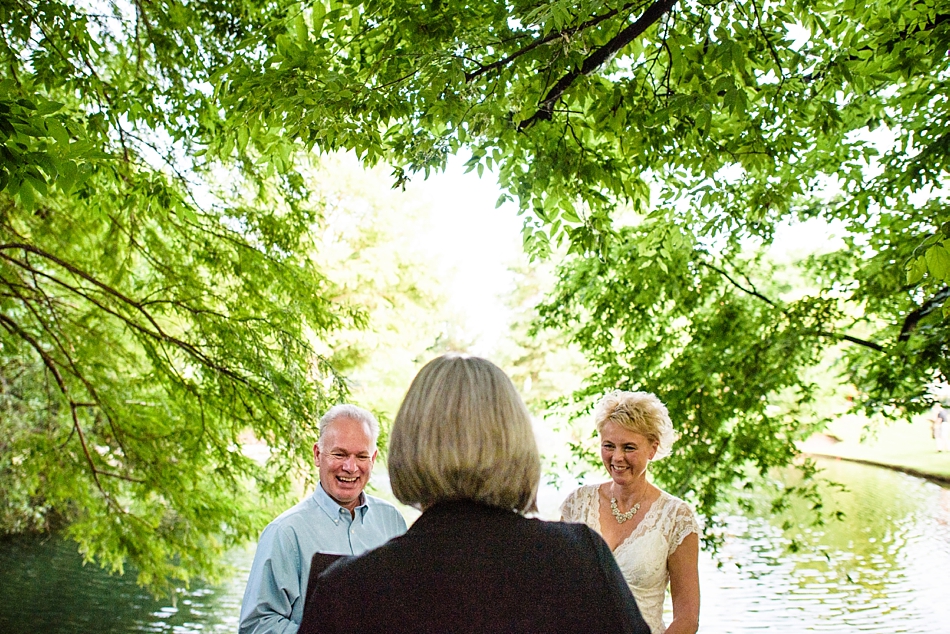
pixel 52 308
pixel 50 364
pixel 822 333
pixel 598 58
pixel 855 340
pixel 158 333
pixel 469 77
pixel 752 291
pixel 913 318
pixel 765 37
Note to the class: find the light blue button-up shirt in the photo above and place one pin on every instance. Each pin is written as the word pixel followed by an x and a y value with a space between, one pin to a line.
pixel 277 586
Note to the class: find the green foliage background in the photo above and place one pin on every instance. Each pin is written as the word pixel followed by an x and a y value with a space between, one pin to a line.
pixel 145 334
pixel 149 316
pixel 663 144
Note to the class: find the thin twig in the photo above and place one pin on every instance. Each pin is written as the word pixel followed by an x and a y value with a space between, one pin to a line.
pixel 50 364
pixel 547 38
pixel 751 291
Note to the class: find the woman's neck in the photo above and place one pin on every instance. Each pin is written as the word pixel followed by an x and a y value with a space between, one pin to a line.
pixel 629 494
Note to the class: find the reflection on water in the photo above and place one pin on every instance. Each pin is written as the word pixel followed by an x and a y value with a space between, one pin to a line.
pixel 886 568
pixel 45 588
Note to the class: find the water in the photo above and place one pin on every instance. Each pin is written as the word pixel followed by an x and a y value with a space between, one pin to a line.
pixel 886 568
pixel 44 587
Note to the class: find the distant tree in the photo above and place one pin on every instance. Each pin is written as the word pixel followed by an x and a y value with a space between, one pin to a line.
pixel 543 363
pixel 371 244
pixel 664 143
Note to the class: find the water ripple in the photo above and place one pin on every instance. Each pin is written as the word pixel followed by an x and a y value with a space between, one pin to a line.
pixel 875 572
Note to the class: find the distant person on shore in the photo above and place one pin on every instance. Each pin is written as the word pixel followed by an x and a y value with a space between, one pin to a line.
pixel 338 518
pixel 940 426
pixel 462 449
pixel 653 535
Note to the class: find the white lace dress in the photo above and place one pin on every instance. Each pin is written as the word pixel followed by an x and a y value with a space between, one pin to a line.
pixel 642 556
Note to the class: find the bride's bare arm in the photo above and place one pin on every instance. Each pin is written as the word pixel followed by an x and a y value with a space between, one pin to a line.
pixel 683 565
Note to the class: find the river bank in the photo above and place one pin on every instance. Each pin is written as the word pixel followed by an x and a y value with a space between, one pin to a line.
pixel 905 446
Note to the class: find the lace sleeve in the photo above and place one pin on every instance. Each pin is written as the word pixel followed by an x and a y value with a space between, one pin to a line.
pixel 571 508
pixel 684 523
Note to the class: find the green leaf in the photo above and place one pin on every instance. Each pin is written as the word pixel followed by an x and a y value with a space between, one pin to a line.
pixel 938 261
pixel 58 131
pixel 300 28
pixel 242 138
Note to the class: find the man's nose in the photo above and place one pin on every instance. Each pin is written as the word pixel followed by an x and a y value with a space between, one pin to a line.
pixel 349 463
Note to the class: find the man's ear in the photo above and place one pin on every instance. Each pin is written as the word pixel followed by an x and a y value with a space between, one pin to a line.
pixel 316 454
pixel 375 453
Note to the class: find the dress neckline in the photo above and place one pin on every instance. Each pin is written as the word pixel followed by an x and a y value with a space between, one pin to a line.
pixel 654 507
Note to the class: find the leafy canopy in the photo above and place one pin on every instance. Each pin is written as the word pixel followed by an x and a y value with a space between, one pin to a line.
pixel 665 143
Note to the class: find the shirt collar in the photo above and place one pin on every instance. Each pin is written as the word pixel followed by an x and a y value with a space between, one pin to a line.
pixel 332 509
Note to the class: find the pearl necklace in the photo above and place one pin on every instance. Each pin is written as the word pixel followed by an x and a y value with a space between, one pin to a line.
pixel 623 517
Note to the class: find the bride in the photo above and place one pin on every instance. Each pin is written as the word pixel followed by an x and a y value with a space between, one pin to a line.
pixel 654 536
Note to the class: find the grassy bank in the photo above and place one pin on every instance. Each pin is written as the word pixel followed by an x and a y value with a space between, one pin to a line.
pixel 906 445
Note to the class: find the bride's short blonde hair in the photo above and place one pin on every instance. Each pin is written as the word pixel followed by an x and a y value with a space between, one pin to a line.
pixel 640 412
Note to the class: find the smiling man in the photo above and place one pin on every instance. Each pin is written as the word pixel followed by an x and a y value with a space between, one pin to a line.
pixel 338 518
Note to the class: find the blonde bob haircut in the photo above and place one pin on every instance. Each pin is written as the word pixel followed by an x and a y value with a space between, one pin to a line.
pixel 640 412
pixel 463 433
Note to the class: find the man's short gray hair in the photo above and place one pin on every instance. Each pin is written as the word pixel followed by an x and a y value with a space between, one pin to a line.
pixel 349 411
